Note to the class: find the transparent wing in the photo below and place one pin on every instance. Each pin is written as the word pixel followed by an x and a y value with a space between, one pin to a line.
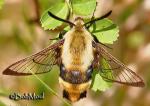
pixel 38 63
pixel 120 73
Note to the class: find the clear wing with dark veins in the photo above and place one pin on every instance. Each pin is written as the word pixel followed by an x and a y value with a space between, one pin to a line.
pixel 120 73
pixel 38 63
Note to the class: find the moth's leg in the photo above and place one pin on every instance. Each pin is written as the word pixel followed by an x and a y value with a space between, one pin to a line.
pixel 95 63
pixel 97 57
pixel 60 35
pixel 58 56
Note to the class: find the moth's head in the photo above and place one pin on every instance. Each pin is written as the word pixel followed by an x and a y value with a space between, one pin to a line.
pixel 79 23
pixel 74 96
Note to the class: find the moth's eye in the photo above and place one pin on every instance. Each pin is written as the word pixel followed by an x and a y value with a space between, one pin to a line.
pixel 62 70
pixel 62 67
pixel 89 72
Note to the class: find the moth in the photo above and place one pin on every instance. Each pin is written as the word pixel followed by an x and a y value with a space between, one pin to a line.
pixel 77 54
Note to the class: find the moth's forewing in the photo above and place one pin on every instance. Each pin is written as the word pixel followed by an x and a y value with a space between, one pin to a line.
pixel 38 63
pixel 120 73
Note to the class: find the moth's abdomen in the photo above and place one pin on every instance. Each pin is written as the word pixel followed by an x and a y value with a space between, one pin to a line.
pixel 74 92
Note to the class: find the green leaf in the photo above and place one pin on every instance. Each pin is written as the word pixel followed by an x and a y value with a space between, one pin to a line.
pixel 1 3
pixel 61 10
pixel 98 83
pixel 45 4
pixel 105 31
pixel 67 28
pixel 83 7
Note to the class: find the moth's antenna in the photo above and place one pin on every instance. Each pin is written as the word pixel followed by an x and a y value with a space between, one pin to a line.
pixel 104 16
pixel 60 19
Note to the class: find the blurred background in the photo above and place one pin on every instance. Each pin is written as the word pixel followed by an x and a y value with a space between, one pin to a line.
pixel 22 35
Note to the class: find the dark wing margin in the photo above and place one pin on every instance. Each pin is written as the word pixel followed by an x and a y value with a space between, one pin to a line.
pixel 38 63
pixel 120 73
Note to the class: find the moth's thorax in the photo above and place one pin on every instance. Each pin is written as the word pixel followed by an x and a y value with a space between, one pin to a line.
pixel 77 52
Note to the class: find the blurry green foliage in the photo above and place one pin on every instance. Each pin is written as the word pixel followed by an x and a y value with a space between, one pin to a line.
pixel 1 3
pixel 135 39
pixel 22 43
pixel 128 11
pixel 119 97
pixel 2 104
